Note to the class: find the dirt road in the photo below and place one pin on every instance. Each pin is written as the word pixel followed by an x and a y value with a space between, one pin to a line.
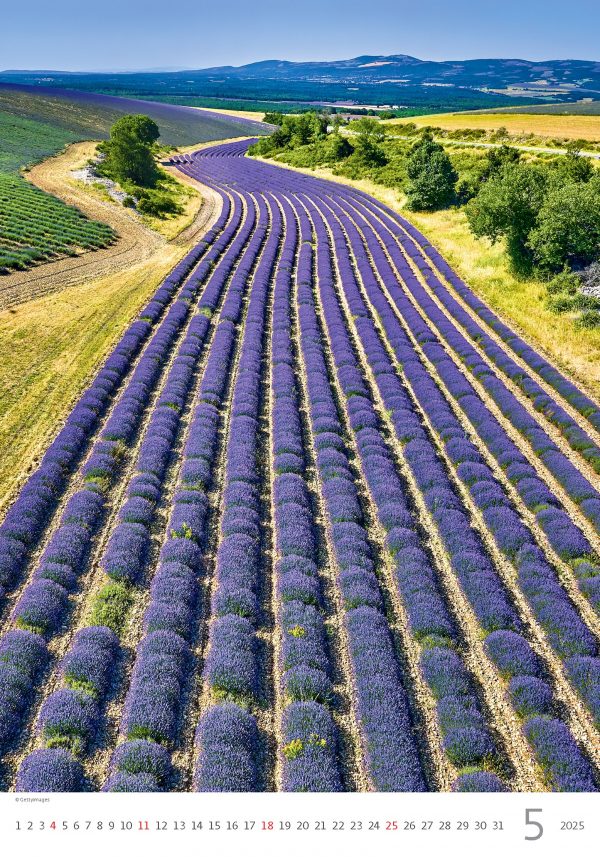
pixel 136 245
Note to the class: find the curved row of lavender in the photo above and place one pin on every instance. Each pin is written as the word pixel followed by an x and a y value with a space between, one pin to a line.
pixel 347 448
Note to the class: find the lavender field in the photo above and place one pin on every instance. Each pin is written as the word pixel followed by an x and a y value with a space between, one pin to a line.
pixel 321 522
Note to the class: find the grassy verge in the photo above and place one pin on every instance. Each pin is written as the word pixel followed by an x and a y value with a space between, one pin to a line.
pixel 189 200
pixel 50 347
pixel 519 302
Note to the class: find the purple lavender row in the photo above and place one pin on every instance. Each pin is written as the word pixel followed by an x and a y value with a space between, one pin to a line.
pixel 309 752
pixel 232 666
pixel 569 391
pixel 69 717
pixel 388 745
pixel 44 602
pixel 467 741
pixel 227 736
pixel 302 718
pixel 26 519
pixel 125 553
pixel 123 560
pixel 528 688
pixel 150 718
pixel 302 721
pixel 577 438
pixel 565 537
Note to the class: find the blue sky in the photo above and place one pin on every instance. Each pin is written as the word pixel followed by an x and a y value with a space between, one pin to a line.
pixel 131 34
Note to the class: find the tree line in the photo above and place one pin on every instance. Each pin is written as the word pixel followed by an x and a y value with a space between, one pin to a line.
pixel 546 211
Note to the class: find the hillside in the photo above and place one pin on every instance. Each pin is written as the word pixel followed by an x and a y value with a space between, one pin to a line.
pixel 539 78
pixel 88 115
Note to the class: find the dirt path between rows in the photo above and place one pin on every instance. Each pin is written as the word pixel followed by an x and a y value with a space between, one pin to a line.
pixel 136 243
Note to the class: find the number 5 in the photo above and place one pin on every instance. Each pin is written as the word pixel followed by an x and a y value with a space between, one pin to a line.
pixel 529 821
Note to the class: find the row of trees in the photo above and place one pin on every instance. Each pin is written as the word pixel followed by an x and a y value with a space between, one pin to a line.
pixel 549 214
pixel 293 132
pixel 432 177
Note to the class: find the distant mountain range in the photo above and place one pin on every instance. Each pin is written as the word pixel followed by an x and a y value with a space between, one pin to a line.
pixel 398 80
pixel 541 78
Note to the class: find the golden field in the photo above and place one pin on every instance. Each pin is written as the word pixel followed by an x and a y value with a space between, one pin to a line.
pixel 572 127
pixel 51 345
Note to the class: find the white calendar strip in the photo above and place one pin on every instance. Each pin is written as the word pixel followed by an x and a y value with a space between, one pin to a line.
pixel 299 825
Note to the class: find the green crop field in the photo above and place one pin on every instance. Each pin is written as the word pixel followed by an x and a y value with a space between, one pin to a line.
pixel 26 141
pixel 35 226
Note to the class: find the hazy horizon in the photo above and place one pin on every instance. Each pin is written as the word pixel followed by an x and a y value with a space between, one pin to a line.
pixel 177 69
pixel 139 35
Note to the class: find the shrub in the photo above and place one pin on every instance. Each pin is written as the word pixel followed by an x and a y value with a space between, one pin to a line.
pixel 111 606
pixel 478 781
pixel 157 203
pixel 49 771
pixel 142 757
pixel 507 206
pixel 226 738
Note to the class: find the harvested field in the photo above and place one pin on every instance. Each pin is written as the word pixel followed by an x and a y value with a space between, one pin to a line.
pixel 570 126
pixel 321 522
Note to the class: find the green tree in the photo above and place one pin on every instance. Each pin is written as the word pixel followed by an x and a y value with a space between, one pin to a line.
pixel 273 118
pixel 369 135
pixel 306 128
pixel 567 230
pixel 499 157
pixel 507 207
pixel 500 133
pixel 130 151
pixel 431 174
pixel 292 132
pixel 339 147
pixel 571 167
